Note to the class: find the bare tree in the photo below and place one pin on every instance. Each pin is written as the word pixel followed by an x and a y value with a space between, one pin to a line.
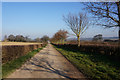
pixel 77 23
pixel 107 13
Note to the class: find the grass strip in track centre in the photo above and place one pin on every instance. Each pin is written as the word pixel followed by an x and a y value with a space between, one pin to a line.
pixel 11 66
pixel 92 65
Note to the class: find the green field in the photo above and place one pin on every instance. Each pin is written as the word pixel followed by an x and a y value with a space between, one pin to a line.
pixel 92 65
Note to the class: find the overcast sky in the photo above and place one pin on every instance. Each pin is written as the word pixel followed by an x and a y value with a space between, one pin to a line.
pixel 35 19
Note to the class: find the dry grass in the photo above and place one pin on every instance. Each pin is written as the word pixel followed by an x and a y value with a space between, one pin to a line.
pixel 17 43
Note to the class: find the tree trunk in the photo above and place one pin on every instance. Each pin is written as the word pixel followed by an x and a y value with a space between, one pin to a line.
pixel 119 19
pixel 78 41
pixel 119 34
pixel 118 7
pixel 63 41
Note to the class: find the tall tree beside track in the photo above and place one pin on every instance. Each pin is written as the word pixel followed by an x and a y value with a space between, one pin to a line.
pixel 106 13
pixel 78 23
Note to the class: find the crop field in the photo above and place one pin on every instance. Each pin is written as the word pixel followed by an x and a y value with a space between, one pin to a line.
pixel 17 43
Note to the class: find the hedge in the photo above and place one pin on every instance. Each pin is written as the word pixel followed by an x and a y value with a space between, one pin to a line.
pixel 110 50
pixel 10 52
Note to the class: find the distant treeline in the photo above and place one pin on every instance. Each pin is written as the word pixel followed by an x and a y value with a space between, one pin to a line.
pixel 21 38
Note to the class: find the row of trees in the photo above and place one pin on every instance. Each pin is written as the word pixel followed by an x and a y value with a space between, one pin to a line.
pixel 21 38
pixel 17 38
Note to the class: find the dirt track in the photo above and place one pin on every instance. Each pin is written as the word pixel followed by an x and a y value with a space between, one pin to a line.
pixel 48 63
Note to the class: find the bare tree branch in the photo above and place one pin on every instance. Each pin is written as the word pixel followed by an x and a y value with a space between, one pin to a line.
pixel 107 12
pixel 77 23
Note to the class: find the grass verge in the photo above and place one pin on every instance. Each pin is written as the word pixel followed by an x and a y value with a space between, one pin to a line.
pixel 93 65
pixel 11 66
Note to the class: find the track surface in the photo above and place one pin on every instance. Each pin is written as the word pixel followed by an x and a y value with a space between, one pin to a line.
pixel 48 63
